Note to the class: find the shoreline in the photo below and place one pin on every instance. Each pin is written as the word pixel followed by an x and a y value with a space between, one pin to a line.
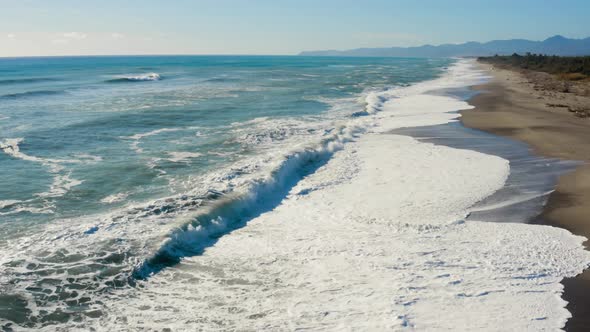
pixel 380 229
pixel 512 106
pixel 362 228
pixel 376 238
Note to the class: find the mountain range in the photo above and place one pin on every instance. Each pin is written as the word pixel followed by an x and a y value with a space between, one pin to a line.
pixel 556 45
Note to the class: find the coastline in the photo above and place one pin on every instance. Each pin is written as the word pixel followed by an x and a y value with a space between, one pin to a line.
pixel 365 228
pixel 513 106
pixel 378 237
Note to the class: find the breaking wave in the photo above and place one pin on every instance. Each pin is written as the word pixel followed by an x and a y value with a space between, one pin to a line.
pixel 105 252
pixel 79 261
pixel 234 209
pixel 136 78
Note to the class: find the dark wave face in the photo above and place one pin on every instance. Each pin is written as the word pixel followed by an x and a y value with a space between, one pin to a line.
pixel 29 94
pixel 27 80
pixel 106 187
pixel 222 80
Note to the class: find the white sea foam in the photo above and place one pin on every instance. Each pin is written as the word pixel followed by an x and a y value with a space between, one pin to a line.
pixel 151 133
pixel 383 247
pixel 177 157
pixel 136 139
pixel 11 147
pixel 220 154
pixel 374 239
pixel 62 183
pixel 118 197
pixel 23 207
pixel 8 203
pixel 62 180
pixel 88 158
pixel 142 77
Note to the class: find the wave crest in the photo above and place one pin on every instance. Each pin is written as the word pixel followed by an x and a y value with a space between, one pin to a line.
pixel 136 78
pixel 233 209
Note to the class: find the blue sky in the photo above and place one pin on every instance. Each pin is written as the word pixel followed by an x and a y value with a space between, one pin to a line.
pixel 59 27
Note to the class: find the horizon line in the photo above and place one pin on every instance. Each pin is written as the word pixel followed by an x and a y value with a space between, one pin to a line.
pixel 135 55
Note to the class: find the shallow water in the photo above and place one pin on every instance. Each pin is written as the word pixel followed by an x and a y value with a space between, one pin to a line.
pixel 532 178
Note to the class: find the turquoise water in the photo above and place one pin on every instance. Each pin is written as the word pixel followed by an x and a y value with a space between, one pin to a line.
pixel 101 157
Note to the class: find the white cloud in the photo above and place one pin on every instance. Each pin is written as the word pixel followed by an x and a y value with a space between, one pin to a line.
pixel 75 35
pixel 116 35
pixel 11 36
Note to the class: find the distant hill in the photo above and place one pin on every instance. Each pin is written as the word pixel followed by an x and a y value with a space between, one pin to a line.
pixel 557 45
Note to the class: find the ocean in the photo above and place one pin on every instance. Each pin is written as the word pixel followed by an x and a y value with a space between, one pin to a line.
pixel 88 135
pixel 261 192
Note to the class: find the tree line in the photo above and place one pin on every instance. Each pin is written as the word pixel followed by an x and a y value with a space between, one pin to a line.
pixel 574 67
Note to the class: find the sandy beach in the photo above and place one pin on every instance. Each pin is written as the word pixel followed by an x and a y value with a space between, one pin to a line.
pixel 532 108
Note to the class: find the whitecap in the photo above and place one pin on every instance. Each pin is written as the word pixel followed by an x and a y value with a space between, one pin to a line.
pixel 136 78
pixel 114 198
pixel 136 138
pixel 8 203
pixel 386 218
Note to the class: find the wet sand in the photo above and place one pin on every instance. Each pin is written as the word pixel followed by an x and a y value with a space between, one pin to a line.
pixel 521 107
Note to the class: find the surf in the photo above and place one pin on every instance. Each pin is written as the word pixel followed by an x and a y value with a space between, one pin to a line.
pixel 149 77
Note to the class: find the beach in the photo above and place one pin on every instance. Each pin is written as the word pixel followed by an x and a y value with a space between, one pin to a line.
pixel 376 237
pixel 528 109
pixel 285 166
pixel 272 193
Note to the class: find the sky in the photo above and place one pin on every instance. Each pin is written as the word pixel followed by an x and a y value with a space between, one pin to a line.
pixel 113 27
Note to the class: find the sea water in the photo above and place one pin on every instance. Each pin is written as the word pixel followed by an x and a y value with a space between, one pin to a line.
pixel 249 193
pixel 89 137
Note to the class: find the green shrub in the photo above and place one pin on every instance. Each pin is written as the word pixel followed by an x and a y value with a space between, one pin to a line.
pixel 550 64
